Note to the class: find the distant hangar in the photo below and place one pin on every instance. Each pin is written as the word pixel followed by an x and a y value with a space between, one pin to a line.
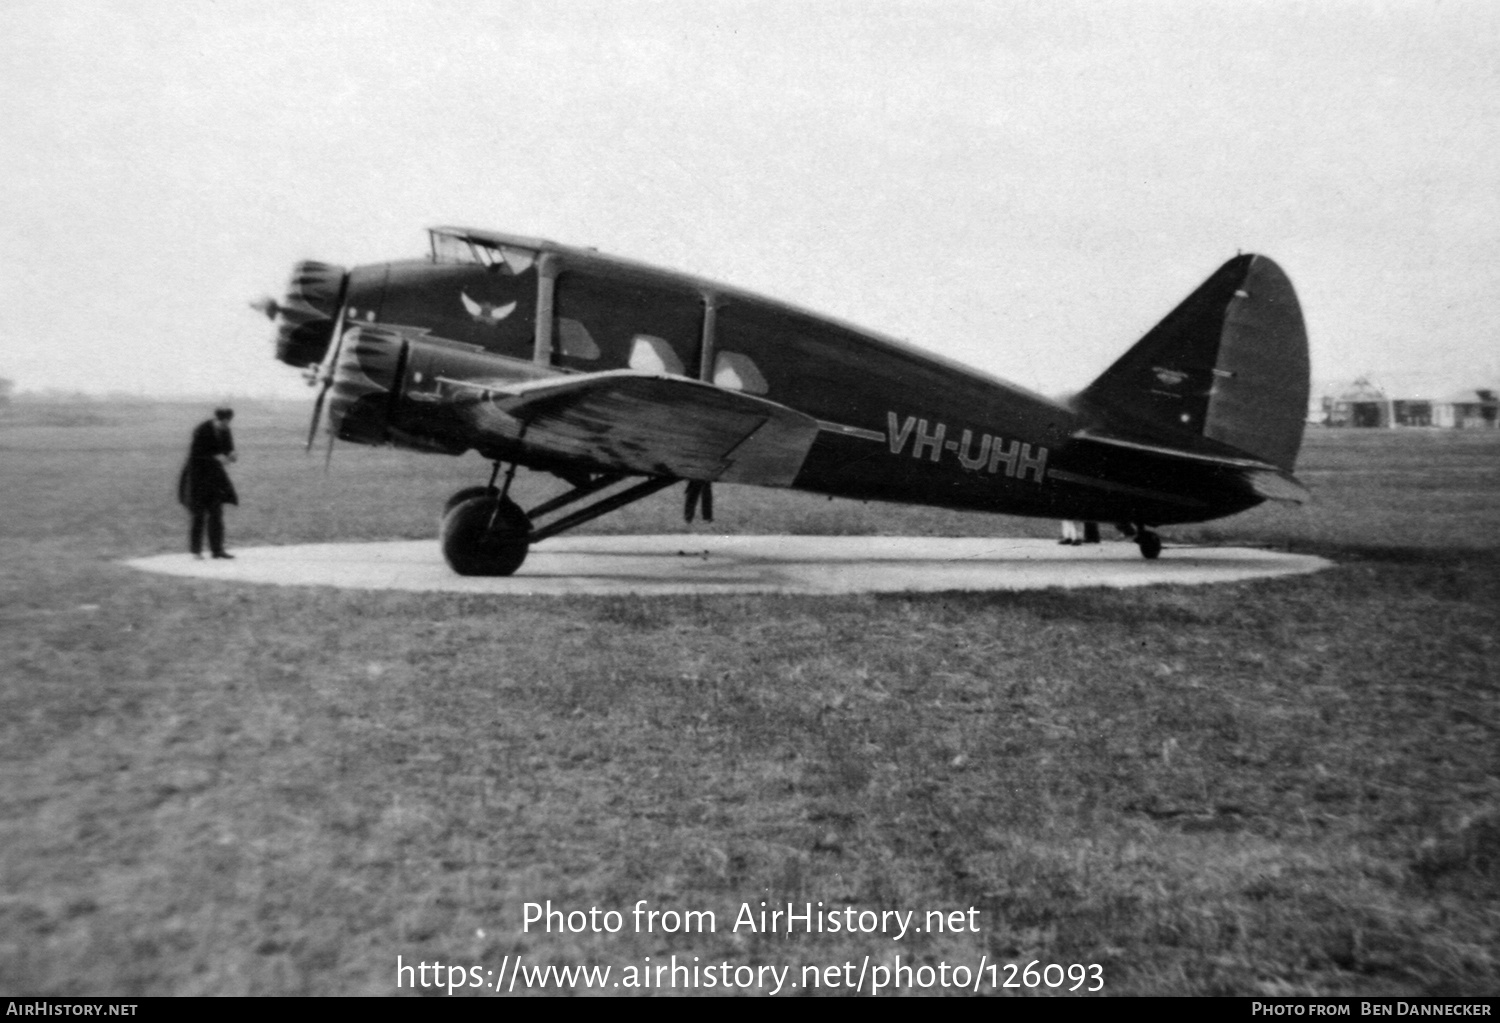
pixel 1394 401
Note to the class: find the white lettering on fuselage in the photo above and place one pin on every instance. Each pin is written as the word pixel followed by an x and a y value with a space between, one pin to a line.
pixel 990 453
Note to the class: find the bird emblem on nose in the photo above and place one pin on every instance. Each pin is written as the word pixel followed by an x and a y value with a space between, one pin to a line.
pixel 486 312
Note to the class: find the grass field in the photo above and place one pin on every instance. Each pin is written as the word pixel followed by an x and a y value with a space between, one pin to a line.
pixel 1278 787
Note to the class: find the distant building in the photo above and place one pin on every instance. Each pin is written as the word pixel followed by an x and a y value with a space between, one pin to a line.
pixel 1473 409
pixel 1408 401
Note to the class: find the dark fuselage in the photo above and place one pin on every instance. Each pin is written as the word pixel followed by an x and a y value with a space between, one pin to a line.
pixel 424 343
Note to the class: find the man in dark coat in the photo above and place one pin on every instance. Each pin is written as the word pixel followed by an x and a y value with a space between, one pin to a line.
pixel 204 487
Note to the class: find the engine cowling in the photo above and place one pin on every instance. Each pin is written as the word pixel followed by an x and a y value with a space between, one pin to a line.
pixel 364 384
pixel 305 317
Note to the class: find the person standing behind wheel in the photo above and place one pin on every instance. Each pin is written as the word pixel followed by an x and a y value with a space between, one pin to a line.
pixel 204 487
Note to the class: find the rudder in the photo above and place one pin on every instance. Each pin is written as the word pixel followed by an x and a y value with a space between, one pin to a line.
pixel 1229 364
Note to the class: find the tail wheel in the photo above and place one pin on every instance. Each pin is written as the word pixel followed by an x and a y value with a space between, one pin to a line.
pixel 1149 543
pixel 486 535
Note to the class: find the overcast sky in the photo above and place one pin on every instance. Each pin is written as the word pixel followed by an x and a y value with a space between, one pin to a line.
pixel 1025 187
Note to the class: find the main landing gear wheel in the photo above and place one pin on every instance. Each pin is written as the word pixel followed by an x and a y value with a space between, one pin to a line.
pixel 462 496
pixel 485 534
pixel 1149 543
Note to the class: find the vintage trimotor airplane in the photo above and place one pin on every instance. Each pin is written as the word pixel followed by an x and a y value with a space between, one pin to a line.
pixel 598 369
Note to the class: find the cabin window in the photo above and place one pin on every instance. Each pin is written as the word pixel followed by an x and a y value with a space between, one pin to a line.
pixel 653 355
pixel 604 322
pixel 574 341
pixel 738 372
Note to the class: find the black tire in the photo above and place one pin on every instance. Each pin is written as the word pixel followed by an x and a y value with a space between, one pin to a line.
pixel 462 496
pixel 1150 544
pixel 472 546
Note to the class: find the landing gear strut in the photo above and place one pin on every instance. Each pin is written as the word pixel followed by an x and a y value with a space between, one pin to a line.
pixel 484 532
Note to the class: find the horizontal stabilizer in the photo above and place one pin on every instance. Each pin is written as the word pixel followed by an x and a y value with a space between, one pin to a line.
pixel 662 425
pixel 1264 480
pixel 1277 485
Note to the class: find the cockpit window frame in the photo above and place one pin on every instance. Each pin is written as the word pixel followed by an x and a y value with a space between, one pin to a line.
pixel 447 247
pixel 462 250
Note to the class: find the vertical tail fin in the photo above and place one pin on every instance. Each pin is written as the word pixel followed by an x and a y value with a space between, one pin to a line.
pixel 1229 364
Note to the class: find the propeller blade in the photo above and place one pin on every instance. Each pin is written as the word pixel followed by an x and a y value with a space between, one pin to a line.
pixel 328 454
pixel 706 502
pixel 312 428
pixel 327 371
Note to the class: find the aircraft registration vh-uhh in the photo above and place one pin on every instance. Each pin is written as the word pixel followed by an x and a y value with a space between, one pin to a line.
pixel 622 379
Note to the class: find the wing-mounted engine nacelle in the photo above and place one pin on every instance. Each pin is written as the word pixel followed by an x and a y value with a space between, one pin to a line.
pixel 391 385
pixel 305 317
pixel 365 383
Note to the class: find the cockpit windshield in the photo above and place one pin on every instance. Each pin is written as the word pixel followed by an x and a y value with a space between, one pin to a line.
pixel 455 248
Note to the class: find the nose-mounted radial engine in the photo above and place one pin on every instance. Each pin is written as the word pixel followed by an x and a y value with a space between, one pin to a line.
pixel 305 317
pixel 305 322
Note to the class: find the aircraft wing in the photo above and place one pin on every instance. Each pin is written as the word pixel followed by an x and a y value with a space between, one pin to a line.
pixel 662 425
pixel 1262 478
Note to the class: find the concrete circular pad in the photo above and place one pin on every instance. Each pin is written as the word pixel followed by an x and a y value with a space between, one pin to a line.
pixel 703 563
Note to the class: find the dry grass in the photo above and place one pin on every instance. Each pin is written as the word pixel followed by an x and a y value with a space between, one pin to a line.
pixel 1279 787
